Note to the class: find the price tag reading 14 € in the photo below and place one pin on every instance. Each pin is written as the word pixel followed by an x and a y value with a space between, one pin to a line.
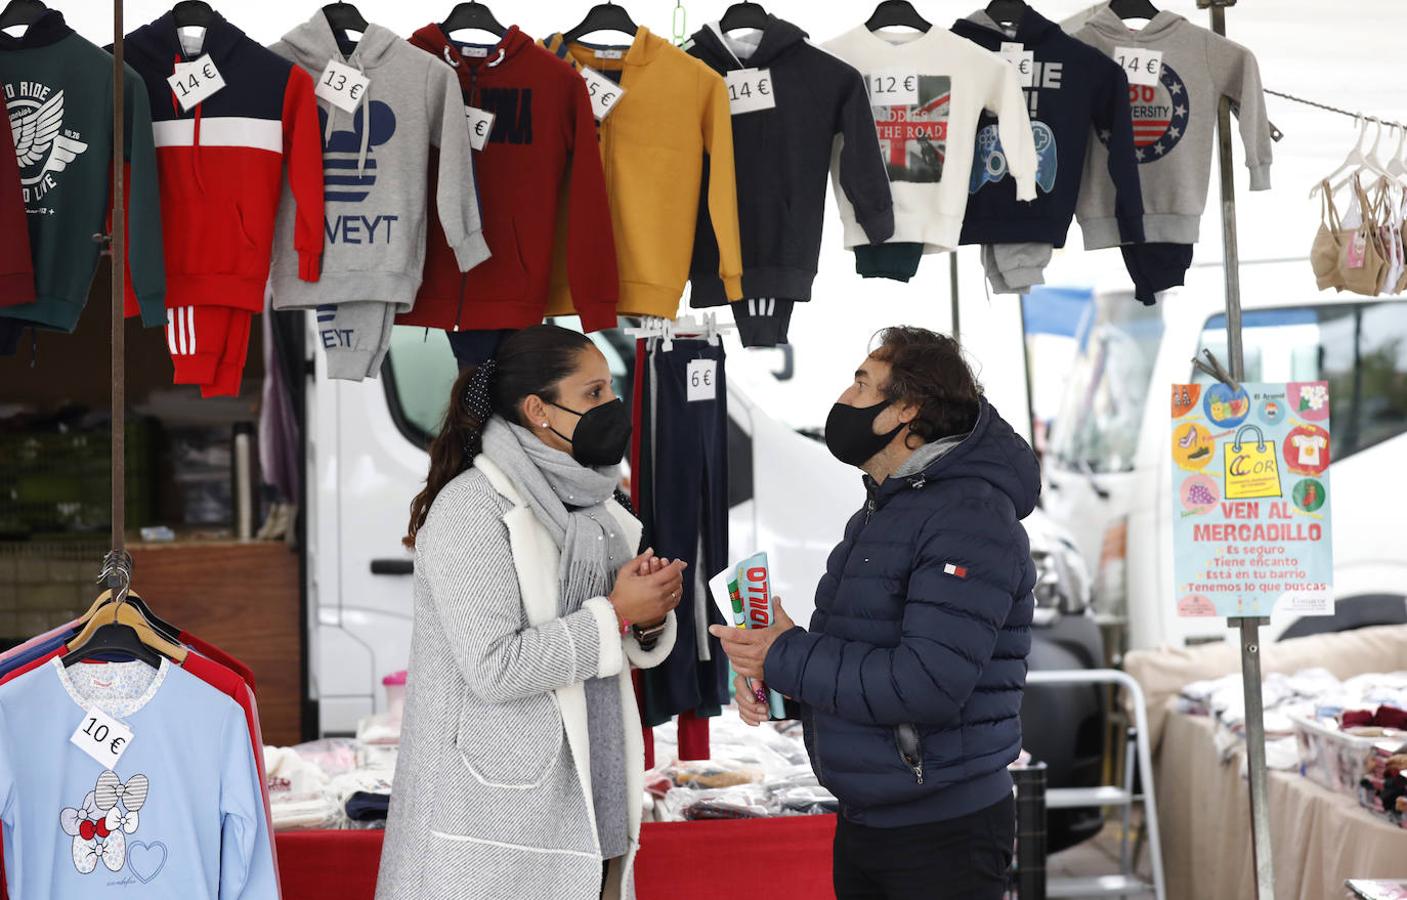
pixel 342 86
pixel 893 88
pixel 102 737
pixel 193 82
pixel 480 126
pixel 750 90
pixel 604 92
pixel 1141 65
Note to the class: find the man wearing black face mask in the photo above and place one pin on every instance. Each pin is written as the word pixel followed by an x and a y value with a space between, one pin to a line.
pixel 909 681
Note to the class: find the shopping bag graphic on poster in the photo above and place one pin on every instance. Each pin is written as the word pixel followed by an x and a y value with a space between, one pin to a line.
pixel 1252 470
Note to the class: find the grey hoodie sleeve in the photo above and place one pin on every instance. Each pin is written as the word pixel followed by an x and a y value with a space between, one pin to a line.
pixel 861 169
pixel 1237 76
pixel 456 195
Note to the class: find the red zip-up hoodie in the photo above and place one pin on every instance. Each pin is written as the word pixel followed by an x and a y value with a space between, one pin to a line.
pixel 16 266
pixel 540 155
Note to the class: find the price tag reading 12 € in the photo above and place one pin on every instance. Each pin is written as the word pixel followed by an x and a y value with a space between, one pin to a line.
pixel 342 86
pixel 604 92
pixel 1141 65
pixel 750 90
pixel 480 126
pixel 1024 60
pixel 893 88
pixel 102 737
pixel 702 382
pixel 195 81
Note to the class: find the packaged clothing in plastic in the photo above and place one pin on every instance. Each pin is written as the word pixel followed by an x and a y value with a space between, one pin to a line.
pixel 376 164
pixel 537 157
pixel 782 150
pixel 174 811
pixel 928 91
pixel 58 89
pixel 668 116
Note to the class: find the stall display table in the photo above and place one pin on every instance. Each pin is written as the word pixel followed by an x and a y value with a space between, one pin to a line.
pixel 701 860
pixel 1320 838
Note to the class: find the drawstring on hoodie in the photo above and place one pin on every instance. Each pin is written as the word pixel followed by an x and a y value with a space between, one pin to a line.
pixel 195 141
pixel 366 121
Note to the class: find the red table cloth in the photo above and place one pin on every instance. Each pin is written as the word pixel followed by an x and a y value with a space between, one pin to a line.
pixel 788 858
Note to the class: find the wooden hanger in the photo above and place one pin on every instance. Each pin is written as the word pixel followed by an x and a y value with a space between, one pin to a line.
pixel 603 17
pixel 161 626
pixel 894 13
pixel 472 15
pixel 125 631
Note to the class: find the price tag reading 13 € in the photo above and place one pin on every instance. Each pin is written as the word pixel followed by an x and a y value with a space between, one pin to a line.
pixel 480 126
pixel 342 86
pixel 102 737
pixel 194 82
pixel 1141 65
pixel 604 92
pixel 750 90
pixel 893 88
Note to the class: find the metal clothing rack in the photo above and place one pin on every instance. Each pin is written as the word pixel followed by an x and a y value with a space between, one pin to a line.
pixel 1334 109
pixel 117 566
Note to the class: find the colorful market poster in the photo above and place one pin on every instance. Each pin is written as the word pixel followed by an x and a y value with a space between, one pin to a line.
pixel 1252 531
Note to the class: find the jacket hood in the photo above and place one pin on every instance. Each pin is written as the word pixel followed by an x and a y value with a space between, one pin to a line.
pixel 1108 24
pixel 1032 29
pixel 314 43
pixel 641 52
pixel 49 28
pixel 775 40
pixel 432 38
pixel 993 452
pixel 160 42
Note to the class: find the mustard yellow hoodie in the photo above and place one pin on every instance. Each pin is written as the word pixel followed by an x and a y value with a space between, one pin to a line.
pixel 672 114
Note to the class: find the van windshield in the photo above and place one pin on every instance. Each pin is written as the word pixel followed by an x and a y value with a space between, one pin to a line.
pixel 1097 428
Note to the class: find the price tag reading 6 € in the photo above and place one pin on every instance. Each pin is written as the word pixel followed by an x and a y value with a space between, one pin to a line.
pixel 342 86
pixel 102 737
pixel 893 88
pixel 604 93
pixel 193 82
pixel 480 126
pixel 750 90
pixel 703 384
pixel 1141 65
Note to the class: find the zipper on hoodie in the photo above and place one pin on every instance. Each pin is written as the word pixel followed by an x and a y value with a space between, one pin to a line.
pixel 910 747
pixel 464 276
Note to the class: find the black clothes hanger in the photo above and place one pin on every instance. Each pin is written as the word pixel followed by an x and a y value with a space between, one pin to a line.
pixel 603 17
pixel 344 17
pixel 892 13
pixel 114 639
pixel 193 13
pixel 1133 9
pixel 473 15
pixel 744 15
pixel 1007 12
pixel 22 12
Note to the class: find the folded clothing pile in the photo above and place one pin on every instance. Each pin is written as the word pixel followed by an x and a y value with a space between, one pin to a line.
pixel 331 783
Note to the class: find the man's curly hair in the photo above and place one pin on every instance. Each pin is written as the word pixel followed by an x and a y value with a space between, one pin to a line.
pixel 928 369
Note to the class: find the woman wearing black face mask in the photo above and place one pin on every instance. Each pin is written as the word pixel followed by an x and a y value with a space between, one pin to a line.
pixel 521 758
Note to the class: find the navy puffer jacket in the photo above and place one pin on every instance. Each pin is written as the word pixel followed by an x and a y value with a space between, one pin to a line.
pixel 911 676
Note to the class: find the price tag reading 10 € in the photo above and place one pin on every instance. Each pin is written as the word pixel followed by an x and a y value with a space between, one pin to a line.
pixel 604 92
pixel 893 88
pixel 1141 65
pixel 102 737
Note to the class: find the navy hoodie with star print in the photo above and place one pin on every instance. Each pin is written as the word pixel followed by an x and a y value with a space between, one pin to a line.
pixel 1075 94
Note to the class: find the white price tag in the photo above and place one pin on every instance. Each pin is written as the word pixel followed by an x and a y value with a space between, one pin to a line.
pixel 474 52
pixel 1024 60
pixel 102 737
pixel 703 383
pixel 342 86
pixel 480 126
pixel 195 81
pixel 891 88
pixel 1141 65
pixel 604 92
pixel 610 54
pixel 750 90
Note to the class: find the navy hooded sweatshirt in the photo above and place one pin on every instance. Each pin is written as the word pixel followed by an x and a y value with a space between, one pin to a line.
pixel 1075 90
pixel 782 157
pixel 911 676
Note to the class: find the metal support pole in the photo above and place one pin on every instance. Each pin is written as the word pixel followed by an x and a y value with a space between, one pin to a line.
pixel 119 263
pixel 953 294
pixel 1031 838
pixel 1249 627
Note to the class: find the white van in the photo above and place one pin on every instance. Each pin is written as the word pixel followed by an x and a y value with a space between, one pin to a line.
pixel 1107 475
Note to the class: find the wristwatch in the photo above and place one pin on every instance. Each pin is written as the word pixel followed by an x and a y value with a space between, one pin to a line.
pixel 647 637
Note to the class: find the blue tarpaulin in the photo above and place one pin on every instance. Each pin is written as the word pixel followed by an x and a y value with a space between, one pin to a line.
pixel 1056 310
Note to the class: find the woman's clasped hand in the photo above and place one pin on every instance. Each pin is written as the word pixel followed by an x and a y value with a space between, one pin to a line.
pixel 647 588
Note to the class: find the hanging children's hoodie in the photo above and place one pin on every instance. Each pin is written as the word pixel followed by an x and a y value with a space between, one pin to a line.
pixel 1173 124
pixel 16 268
pixel 375 163
pixel 782 154
pixel 1074 90
pixel 542 140
pixel 58 93
pixel 927 135
pixel 178 815
pixel 671 116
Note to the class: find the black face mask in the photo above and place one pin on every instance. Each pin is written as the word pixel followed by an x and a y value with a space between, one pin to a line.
pixel 850 433
pixel 601 436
